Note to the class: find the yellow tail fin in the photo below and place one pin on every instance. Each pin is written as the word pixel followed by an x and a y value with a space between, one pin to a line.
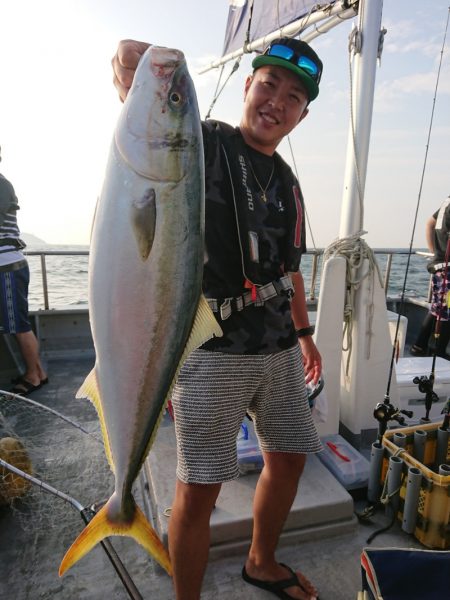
pixel 101 527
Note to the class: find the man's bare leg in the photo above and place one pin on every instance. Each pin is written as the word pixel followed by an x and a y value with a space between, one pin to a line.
pixel 189 536
pixel 274 495
pixel 29 348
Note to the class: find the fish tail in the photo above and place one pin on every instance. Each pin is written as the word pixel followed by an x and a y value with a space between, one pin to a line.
pixel 103 526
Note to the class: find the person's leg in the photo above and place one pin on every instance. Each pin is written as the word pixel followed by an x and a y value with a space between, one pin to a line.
pixel 207 420
pixel 420 346
pixel 274 495
pixel 15 320
pixel 189 536
pixel 29 348
pixel 286 434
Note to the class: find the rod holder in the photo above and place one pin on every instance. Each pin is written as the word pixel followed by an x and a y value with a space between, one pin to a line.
pixel 444 470
pixel 374 484
pixel 420 440
pixel 394 481
pixel 413 484
pixel 399 439
pixel 441 447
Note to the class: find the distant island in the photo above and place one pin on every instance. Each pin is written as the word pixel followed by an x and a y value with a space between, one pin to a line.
pixel 32 240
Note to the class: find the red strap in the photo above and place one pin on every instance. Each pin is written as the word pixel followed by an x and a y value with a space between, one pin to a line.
pixel 251 286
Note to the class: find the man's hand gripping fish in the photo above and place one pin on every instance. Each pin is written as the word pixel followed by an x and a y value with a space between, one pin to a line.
pixel 145 276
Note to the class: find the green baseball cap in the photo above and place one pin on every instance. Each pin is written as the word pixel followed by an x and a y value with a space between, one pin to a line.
pixel 298 57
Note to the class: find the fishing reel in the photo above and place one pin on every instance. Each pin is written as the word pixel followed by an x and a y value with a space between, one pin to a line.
pixel 385 412
pixel 425 385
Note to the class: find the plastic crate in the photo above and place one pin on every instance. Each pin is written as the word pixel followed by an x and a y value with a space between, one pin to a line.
pixel 432 526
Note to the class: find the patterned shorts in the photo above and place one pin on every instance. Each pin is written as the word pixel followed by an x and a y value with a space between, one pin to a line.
pixel 214 391
pixel 440 298
pixel 14 300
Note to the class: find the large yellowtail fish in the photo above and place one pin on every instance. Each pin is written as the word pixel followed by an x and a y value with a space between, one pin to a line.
pixel 146 308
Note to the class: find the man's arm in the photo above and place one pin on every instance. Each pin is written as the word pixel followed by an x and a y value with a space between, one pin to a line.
pixel 7 198
pixel 430 226
pixel 312 360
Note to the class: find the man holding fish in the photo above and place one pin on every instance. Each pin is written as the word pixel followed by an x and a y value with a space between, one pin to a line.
pixel 254 239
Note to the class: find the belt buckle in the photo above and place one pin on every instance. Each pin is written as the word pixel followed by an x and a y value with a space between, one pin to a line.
pixel 225 309
pixel 237 303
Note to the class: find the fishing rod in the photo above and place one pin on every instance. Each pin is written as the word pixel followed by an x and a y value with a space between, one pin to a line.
pixel 402 299
pixel 87 514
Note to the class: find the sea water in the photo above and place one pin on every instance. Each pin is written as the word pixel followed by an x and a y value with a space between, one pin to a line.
pixel 67 276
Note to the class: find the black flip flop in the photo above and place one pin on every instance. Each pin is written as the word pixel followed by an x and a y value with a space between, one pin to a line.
pixel 20 379
pixel 276 587
pixel 25 388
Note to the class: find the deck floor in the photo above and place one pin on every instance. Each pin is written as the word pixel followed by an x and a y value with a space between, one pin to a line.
pixel 30 555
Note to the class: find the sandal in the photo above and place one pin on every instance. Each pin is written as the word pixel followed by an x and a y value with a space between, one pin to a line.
pixel 277 587
pixel 24 387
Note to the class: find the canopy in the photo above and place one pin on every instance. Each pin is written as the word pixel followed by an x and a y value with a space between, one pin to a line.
pixel 266 16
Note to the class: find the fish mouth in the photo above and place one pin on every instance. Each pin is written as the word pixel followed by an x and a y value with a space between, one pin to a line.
pixel 165 61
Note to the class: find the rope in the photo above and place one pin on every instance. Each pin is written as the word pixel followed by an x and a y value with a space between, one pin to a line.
pixel 355 251
pixel 218 91
pixel 385 500
pixel 384 496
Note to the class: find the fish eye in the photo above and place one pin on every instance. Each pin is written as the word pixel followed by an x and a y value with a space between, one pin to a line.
pixel 175 98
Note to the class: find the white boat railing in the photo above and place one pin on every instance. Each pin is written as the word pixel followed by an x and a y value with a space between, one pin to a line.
pixel 42 255
pixel 311 274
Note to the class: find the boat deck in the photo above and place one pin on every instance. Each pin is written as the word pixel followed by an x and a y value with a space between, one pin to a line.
pixel 328 554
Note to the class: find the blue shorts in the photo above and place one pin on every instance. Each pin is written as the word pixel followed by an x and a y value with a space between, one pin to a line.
pixel 14 299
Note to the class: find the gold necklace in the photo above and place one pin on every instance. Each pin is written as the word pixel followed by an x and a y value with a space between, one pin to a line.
pixel 263 190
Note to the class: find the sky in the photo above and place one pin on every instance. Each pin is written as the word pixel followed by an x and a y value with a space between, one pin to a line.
pixel 58 110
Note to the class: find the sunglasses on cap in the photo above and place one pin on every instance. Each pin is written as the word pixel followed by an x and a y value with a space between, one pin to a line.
pixel 300 60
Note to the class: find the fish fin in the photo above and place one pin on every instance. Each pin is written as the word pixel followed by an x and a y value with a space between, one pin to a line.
pixel 102 526
pixel 90 389
pixel 143 222
pixel 205 326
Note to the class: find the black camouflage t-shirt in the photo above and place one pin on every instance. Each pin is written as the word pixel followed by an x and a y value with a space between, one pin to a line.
pixel 256 329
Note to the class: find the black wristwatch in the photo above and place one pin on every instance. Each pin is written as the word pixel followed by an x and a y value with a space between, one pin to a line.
pixel 305 331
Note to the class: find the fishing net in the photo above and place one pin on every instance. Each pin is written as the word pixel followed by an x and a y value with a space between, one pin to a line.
pixel 46 444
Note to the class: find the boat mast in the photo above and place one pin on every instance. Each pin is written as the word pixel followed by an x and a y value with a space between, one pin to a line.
pixel 366 42
pixel 368 345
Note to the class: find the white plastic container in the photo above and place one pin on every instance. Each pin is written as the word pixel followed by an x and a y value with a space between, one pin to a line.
pixel 348 465
pixel 410 397
pixel 249 454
